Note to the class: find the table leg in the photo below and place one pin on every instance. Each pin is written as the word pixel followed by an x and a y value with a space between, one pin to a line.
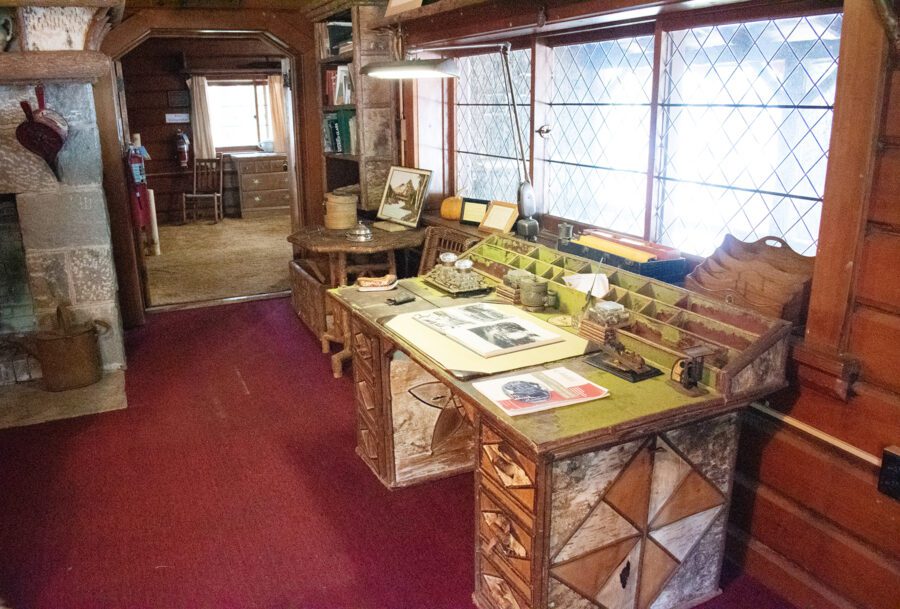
pixel 341 319
pixel 341 327
pixel 392 262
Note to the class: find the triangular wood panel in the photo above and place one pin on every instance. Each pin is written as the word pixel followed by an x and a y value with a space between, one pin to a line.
pixel 630 494
pixel 578 484
pixel 694 495
pixel 505 464
pixel 588 574
pixel 669 469
pixel 656 568
pixel 621 588
pixel 500 592
pixel 602 526
pixel 680 536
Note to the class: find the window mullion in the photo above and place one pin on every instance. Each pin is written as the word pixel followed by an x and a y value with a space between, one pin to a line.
pixel 654 121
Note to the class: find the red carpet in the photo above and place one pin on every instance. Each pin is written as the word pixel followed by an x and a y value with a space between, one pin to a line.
pixel 231 482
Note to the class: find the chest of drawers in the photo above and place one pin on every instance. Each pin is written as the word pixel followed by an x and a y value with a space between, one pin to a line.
pixel 263 183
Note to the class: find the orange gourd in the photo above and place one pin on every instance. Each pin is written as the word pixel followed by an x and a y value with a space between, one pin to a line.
pixel 451 208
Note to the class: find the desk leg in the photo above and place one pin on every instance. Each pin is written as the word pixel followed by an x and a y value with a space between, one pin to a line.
pixel 341 330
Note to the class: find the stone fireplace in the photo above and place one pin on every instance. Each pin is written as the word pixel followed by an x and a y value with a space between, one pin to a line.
pixel 64 252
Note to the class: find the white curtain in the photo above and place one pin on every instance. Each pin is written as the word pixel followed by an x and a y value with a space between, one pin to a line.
pixel 279 116
pixel 200 121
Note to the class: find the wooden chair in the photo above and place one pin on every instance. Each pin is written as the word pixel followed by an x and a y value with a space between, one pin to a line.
pixel 207 187
pixel 439 239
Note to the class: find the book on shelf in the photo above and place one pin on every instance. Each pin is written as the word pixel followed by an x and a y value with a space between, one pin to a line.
pixel 339 131
pixel 329 85
pixel 486 330
pixel 542 390
pixel 343 86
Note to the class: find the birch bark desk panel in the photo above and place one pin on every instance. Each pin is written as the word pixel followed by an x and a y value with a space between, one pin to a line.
pixel 618 503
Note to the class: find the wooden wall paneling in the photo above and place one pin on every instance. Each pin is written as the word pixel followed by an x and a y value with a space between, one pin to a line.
pixel 857 118
pixel 892 107
pixel 837 489
pixel 870 420
pixel 874 336
pixel 822 549
pixel 881 252
pixel 791 581
pixel 885 197
pixel 126 254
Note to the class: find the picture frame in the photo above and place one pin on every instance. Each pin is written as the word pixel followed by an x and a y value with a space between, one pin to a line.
pixel 500 217
pixel 473 211
pixel 404 196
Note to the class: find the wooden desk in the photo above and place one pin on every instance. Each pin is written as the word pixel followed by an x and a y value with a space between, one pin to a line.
pixel 309 281
pixel 621 501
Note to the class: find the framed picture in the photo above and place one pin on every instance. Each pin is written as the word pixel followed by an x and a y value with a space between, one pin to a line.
pixel 404 196
pixel 472 211
pixel 500 217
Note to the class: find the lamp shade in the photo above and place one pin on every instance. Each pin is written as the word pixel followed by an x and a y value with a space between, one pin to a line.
pixel 412 69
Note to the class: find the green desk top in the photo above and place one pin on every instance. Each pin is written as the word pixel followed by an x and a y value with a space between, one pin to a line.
pixel 631 409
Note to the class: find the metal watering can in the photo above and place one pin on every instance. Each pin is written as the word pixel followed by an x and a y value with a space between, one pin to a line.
pixel 70 354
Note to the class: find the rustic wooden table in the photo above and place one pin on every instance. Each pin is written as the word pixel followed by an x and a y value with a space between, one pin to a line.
pixel 334 244
pixel 620 502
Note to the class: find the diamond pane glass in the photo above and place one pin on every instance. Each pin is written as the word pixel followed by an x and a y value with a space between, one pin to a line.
pixel 744 129
pixel 600 119
pixel 486 150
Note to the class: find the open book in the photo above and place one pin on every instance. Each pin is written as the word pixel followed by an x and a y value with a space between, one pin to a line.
pixel 531 392
pixel 486 330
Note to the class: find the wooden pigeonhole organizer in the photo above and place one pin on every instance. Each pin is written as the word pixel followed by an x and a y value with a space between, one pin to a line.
pixel 620 503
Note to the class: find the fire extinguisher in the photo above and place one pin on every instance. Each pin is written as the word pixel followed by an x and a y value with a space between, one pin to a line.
pixel 137 182
pixel 183 145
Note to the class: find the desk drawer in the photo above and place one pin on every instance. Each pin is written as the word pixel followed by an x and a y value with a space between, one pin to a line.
pixel 507 544
pixel 264 181
pixel 510 471
pixel 266 198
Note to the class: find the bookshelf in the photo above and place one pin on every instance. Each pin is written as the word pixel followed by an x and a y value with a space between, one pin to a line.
pixel 359 131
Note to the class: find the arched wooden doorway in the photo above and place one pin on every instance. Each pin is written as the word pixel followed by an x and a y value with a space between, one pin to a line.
pixel 287 30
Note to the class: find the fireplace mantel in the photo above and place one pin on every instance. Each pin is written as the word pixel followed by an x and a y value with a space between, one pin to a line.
pixel 22 67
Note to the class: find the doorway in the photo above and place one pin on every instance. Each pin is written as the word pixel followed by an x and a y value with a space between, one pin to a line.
pixel 229 96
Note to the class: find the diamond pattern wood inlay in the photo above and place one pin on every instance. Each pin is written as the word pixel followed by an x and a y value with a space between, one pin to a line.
pixel 633 540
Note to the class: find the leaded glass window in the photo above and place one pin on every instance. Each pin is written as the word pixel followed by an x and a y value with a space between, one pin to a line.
pixel 486 151
pixel 600 118
pixel 745 125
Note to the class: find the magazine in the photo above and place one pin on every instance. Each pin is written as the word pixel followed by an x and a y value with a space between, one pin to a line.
pixel 535 391
pixel 486 330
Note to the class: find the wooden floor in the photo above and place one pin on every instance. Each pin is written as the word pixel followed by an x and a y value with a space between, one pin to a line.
pixel 204 261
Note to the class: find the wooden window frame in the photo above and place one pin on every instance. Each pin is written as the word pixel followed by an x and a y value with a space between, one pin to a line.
pixel 542 44
pixel 241 81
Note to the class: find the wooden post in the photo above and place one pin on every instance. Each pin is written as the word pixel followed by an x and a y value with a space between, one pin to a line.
pixel 857 117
